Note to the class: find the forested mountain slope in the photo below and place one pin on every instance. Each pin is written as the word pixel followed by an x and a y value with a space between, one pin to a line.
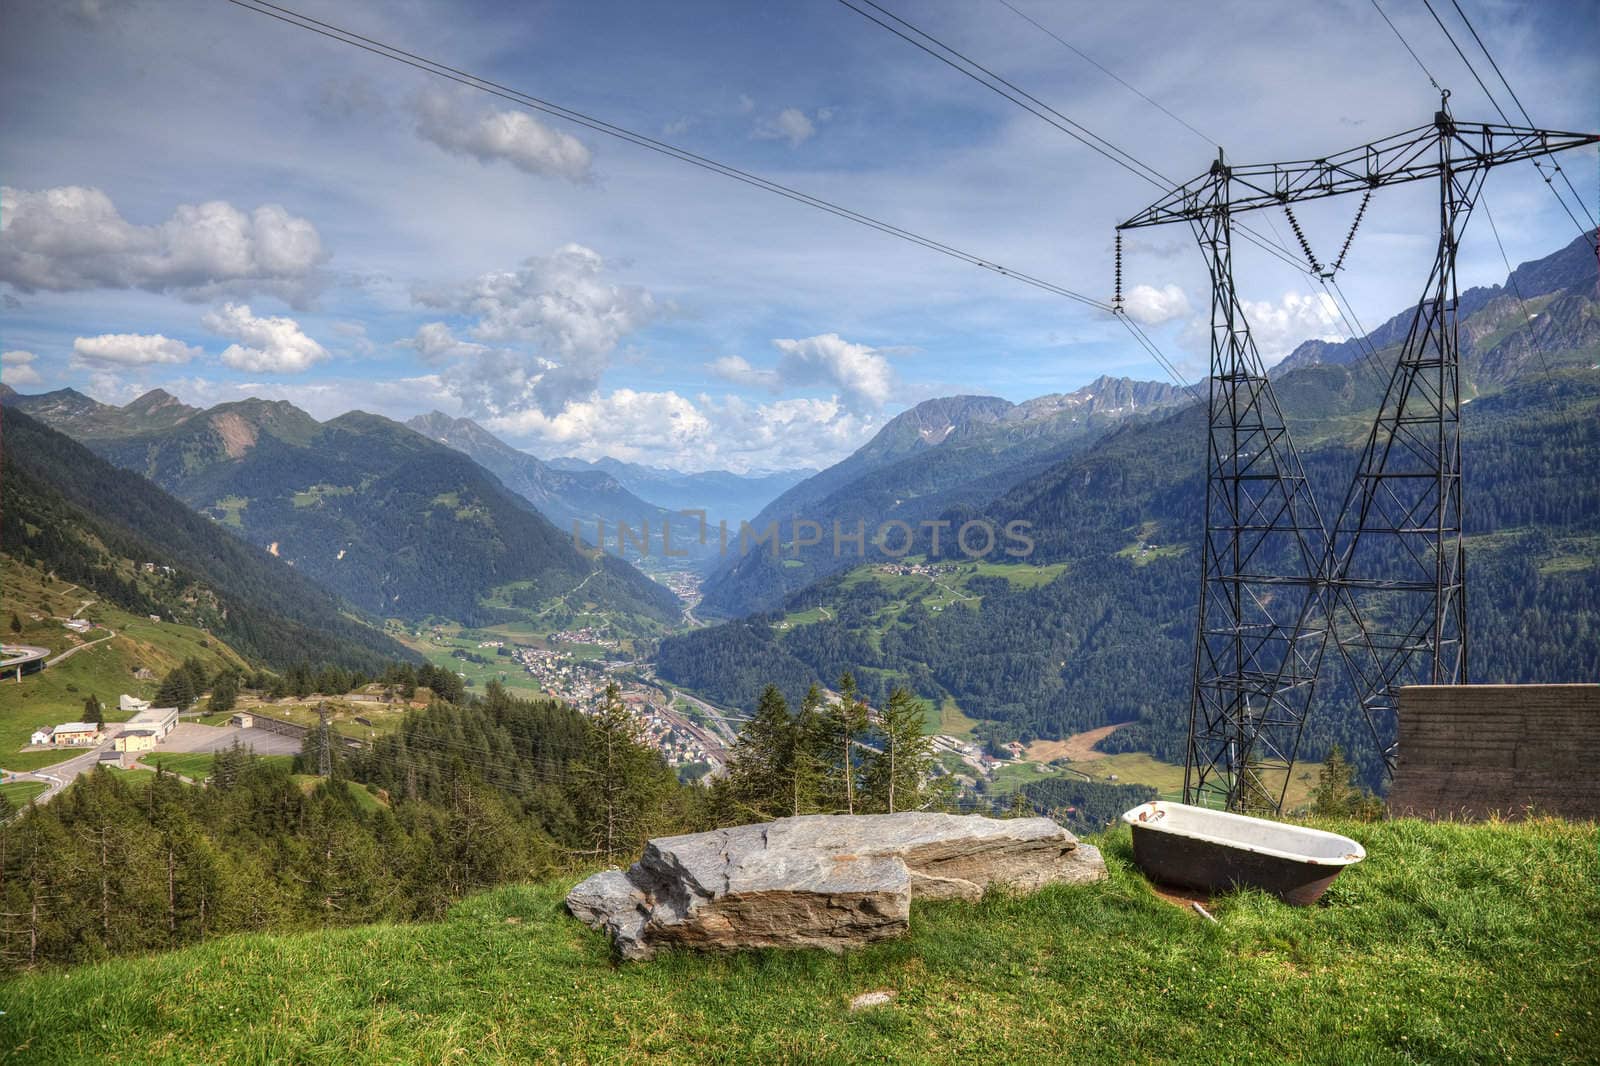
pixel 397 524
pixel 71 513
pixel 592 499
pixel 956 451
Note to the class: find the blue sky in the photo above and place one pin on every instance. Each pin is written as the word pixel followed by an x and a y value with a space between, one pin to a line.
pixel 203 199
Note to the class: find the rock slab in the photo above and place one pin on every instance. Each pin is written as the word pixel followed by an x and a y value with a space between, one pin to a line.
pixel 826 881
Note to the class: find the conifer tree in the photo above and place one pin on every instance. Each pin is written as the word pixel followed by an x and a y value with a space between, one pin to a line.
pixel 847 723
pixel 93 711
pixel 757 773
pixel 895 773
pixel 804 769
pixel 622 779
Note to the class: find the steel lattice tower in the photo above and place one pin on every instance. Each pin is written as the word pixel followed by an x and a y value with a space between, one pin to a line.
pixel 1275 585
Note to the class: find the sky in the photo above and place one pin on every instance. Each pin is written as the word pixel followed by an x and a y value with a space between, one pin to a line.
pixel 200 198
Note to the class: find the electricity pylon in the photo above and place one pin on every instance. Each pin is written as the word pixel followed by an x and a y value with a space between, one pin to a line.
pixel 1275 585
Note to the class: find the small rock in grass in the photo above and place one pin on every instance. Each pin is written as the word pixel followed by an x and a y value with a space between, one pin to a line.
pixel 873 999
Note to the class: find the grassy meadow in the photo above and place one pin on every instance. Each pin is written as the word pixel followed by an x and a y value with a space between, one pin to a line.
pixel 1450 943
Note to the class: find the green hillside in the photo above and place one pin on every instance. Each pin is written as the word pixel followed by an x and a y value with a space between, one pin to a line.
pixel 107 666
pixel 129 543
pixel 391 521
pixel 1450 943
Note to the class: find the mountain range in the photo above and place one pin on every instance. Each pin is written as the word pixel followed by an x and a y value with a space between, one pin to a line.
pixel 1095 626
pixel 588 499
pixel 395 523
pixel 76 516
pixel 722 494
pixel 943 453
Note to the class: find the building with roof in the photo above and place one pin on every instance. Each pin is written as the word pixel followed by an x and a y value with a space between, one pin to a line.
pixel 132 703
pixel 135 740
pixel 160 720
pixel 42 736
pixel 75 734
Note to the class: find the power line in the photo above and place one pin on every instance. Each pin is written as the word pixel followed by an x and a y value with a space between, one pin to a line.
pixel 1407 46
pixel 1034 106
pixel 1503 116
pixel 1516 290
pixel 1526 117
pixel 516 96
pixel 1210 142
pixel 522 99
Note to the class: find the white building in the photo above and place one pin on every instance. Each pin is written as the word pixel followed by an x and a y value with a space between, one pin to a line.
pixel 42 736
pixel 159 720
pixel 132 703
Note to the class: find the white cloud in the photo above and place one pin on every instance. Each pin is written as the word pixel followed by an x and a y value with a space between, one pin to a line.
pixel 668 429
pixel 514 137
pixel 270 345
pixel 1153 306
pixel 737 369
pixel 862 375
pixel 73 238
pixel 132 349
pixel 16 368
pixel 562 305
pixel 1279 328
pixel 792 125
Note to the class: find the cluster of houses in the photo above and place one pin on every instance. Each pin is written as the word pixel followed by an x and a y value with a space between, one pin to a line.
pixel 141 732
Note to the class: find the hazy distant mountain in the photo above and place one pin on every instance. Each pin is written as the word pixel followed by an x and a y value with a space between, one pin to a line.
pixel 720 493
pixel 398 524
pixel 586 496
pixel 949 452
pixel 73 514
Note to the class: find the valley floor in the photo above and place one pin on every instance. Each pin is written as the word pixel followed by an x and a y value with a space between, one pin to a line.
pixel 1449 944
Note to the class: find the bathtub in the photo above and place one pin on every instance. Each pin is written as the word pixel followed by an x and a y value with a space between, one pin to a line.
pixel 1194 847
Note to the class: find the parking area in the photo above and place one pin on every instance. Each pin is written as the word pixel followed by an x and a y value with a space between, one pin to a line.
pixel 190 736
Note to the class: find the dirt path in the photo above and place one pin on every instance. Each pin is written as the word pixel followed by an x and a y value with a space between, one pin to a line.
pixel 1076 748
pixel 79 647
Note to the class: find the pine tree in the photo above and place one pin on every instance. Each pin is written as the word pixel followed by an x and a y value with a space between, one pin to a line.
pixel 16 623
pixel 1339 793
pixel 847 722
pixel 224 692
pixel 622 780
pixel 757 778
pixel 805 767
pixel 895 773
pixel 93 711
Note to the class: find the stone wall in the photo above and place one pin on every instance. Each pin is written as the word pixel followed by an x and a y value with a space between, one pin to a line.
pixel 1476 750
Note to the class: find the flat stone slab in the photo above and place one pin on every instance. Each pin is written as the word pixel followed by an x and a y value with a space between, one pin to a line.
pixel 827 881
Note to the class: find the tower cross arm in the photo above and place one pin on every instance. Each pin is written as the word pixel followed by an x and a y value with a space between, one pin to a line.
pixel 1405 157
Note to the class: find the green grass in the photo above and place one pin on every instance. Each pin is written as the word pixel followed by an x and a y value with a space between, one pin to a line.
pixel 197 765
pixel 106 670
pixel 1448 944
pixel 21 793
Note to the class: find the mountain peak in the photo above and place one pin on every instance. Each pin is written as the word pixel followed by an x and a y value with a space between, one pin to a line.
pixel 157 400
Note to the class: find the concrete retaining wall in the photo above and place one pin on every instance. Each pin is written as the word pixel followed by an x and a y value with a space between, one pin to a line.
pixel 1475 750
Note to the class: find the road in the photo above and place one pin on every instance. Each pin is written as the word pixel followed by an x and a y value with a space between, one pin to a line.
pixel 62 774
pixel 76 649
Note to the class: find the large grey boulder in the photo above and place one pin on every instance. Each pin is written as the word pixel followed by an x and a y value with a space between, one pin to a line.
pixel 826 881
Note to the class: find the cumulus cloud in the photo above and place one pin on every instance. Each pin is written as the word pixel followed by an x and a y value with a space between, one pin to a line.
pixel 862 375
pixel 17 369
pixel 1279 328
pixel 513 137
pixel 1153 306
pixel 562 306
pixel 703 433
pixel 737 369
pixel 131 349
pixel 268 345
pixel 73 238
